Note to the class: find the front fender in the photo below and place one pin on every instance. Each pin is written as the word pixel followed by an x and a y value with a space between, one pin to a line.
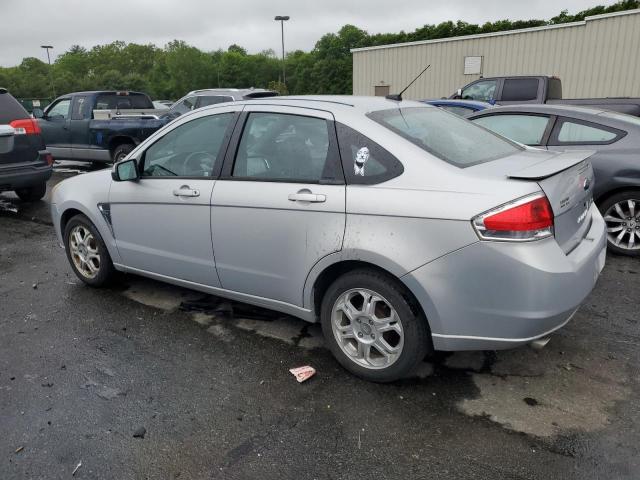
pixel 83 193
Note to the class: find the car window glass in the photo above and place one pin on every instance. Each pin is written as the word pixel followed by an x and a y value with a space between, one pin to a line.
pixel 123 101
pixel 185 105
pixel 519 89
pixel 460 111
pixel 279 146
pixel 448 137
pixel 189 150
pixel 363 160
pixel 527 129
pixel 576 132
pixel 482 91
pixel 77 108
pixel 10 109
pixel 203 100
pixel 60 109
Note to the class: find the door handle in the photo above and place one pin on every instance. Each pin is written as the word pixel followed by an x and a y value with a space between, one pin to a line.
pixel 186 191
pixel 307 196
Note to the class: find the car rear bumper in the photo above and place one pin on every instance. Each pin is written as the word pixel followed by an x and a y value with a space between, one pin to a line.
pixel 497 295
pixel 22 175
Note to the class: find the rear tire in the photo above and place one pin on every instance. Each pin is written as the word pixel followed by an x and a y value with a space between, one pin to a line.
pixel 382 343
pixel 621 213
pixel 87 253
pixel 121 151
pixel 32 194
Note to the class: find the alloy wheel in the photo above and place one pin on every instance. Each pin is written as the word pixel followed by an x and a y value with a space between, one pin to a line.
pixel 84 251
pixel 367 328
pixel 623 224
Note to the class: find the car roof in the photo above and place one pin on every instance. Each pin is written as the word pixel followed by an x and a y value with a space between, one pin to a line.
pixel 102 92
pixel 550 109
pixel 219 91
pixel 338 102
pixel 605 117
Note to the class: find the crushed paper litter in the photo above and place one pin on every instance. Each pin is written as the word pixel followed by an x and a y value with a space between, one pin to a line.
pixel 303 373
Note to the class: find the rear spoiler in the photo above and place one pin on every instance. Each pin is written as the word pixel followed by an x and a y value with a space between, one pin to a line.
pixel 551 166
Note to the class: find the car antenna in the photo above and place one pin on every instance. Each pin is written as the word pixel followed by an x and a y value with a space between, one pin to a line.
pixel 398 96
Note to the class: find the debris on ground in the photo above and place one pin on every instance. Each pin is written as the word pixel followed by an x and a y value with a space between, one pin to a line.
pixel 139 432
pixel 303 373
pixel 109 393
pixel 34 286
pixel 19 449
pixel 76 469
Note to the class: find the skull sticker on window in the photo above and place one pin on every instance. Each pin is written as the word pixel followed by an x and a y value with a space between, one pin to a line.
pixel 362 156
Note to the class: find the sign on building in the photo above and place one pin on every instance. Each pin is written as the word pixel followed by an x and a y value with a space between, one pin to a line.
pixel 472 65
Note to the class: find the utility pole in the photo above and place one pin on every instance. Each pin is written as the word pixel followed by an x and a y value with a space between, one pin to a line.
pixel 47 48
pixel 282 19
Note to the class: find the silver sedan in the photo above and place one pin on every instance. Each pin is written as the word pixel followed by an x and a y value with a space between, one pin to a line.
pixel 400 227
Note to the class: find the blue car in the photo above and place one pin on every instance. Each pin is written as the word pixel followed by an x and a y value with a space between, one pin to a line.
pixel 462 108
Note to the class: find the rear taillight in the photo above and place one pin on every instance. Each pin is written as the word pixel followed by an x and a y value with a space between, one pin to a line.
pixel 528 218
pixel 27 126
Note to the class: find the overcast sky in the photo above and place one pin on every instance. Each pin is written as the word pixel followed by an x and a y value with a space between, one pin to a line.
pixel 209 25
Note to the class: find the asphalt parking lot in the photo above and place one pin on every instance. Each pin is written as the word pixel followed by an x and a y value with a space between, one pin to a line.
pixel 82 370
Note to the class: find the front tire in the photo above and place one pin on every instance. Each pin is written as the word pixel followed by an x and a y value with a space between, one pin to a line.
pixel 621 213
pixel 372 328
pixel 32 194
pixel 87 253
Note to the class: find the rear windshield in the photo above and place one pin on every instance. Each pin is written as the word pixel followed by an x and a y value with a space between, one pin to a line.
pixel 113 101
pixel 10 109
pixel 445 135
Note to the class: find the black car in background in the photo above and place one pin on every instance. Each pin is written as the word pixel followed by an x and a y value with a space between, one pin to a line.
pixel 615 137
pixel 25 164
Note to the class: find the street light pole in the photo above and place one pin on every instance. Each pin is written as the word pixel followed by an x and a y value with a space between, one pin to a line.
pixel 53 88
pixel 282 19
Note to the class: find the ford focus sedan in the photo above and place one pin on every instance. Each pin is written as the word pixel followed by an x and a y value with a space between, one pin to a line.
pixel 400 227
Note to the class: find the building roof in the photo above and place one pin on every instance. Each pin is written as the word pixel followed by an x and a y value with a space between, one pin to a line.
pixel 497 34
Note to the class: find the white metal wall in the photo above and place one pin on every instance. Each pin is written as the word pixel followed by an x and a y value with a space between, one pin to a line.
pixel 599 57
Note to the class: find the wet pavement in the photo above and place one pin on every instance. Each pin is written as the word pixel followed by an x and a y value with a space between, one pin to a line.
pixel 82 370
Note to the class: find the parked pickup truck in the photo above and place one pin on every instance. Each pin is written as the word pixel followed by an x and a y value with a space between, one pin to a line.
pixel 538 89
pixel 101 126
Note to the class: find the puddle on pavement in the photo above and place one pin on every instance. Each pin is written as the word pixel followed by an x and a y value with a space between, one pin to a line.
pixel 559 390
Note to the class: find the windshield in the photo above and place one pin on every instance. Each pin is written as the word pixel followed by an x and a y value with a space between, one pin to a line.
pixel 447 136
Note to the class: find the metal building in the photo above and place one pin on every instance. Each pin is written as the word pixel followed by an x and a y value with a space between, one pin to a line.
pixel 597 57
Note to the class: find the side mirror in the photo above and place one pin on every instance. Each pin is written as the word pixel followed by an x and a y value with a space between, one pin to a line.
pixel 37 113
pixel 7 134
pixel 125 171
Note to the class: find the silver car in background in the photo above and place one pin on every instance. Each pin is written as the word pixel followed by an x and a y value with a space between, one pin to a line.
pixel 400 227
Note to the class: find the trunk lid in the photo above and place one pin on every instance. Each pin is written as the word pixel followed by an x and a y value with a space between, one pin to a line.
pixel 567 180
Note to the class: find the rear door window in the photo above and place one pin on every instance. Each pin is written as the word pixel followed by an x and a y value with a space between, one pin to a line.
pixel 569 132
pixel 285 147
pixel 526 129
pixel 78 108
pixel 520 89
